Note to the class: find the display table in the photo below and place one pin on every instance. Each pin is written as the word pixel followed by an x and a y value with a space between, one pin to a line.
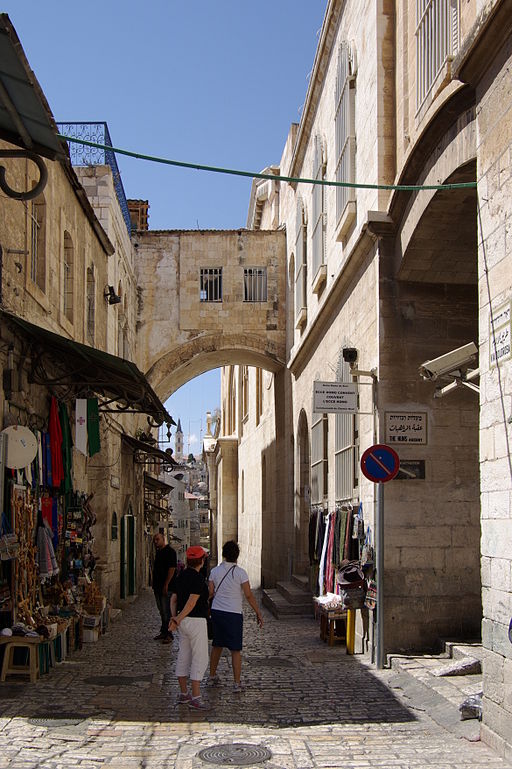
pixel 336 624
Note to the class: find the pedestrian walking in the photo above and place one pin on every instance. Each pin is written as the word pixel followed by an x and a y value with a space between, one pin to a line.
pixel 189 610
pixel 228 585
pixel 164 568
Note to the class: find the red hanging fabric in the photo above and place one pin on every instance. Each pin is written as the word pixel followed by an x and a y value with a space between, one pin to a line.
pixel 56 444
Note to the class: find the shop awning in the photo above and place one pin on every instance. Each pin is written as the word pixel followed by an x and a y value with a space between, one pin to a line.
pixel 163 511
pixel 148 449
pixel 25 117
pixel 154 484
pixel 59 361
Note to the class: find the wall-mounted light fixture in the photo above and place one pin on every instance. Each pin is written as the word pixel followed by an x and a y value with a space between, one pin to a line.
pixel 111 296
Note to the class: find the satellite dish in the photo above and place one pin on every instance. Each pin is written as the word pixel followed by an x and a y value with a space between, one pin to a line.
pixel 21 446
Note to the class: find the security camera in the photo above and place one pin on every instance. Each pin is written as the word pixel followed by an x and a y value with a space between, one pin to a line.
pixel 349 354
pixel 449 363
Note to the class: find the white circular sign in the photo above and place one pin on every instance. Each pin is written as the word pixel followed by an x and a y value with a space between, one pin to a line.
pixel 21 446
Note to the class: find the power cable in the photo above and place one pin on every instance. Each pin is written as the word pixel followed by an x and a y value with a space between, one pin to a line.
pixel 275 177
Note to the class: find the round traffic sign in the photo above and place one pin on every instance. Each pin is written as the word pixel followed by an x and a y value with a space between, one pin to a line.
pixel 380 463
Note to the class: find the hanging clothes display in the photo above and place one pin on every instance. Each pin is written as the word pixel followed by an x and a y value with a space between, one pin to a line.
pixel 55 444
pixel 45 554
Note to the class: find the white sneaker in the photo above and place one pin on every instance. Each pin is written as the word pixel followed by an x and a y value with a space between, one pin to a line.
pixel 238 687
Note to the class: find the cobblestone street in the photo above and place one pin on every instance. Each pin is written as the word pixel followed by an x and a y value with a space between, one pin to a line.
pixel 311 706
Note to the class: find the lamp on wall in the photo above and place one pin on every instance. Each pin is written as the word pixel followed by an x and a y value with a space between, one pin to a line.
pixel 111 296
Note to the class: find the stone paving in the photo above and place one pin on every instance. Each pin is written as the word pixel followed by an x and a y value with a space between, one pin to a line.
pixel 112 705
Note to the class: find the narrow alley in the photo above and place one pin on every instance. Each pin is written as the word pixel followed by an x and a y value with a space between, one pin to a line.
pixel 307 704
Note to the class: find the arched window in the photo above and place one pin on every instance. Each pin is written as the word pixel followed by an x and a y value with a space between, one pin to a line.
pixel 319 218
pixel 91 305
pixel 319 462
pixel 69 266
pixel 38 242
pixel 345 139
pixel 113 526
pixel 301 267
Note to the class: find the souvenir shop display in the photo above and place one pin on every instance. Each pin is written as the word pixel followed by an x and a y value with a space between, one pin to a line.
pixel 46 543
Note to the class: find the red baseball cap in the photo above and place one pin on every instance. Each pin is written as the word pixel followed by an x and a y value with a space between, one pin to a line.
pixel 196 551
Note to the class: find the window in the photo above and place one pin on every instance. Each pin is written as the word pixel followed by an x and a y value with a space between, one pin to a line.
pixel 259 394
pixel 437 41
pixel 245 392
pixel 38 242
pixel 344 445
pixel 301 267
pixel 345 138
pixel 319 459
pixel 68 276
pixel 91 305
pixel 255 284
pixel 210 289
pixel 318 210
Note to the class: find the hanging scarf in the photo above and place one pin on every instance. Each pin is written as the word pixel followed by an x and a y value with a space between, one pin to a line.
pixel 93 426
pixel 45 554
pixel 56 444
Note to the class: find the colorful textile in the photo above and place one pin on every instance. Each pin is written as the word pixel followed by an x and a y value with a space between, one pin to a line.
pixel 329 570
pixel 81 425
pixel 93 426
pixel 45 554
pixel 56 444
pixel 67 445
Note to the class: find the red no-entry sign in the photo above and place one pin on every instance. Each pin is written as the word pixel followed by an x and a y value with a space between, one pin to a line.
pixel 380 463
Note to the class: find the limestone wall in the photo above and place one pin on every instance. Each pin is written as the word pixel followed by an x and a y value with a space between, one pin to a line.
pixel 494 117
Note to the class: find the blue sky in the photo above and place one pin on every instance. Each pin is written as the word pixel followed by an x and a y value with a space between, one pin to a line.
pixel 214 82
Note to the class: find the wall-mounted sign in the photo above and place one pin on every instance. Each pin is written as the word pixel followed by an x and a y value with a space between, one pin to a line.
pixel 334 398
pixel 500 334
pixel 406 427
pixel 411 470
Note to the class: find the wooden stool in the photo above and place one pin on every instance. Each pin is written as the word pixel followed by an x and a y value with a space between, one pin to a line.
pixel 328 620
pixel 31 667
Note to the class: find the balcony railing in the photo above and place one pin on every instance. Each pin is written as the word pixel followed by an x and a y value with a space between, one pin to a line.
pixel 83 155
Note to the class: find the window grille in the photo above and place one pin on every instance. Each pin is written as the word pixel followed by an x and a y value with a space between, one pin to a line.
pixel 68 276
pixel 301 265
pixel 38 242
pixel 344 126
pixel 210 287
pixel 318 209
pixel 344 445
pixel 437 41
pixel 319 459
pixel 255 284
pixel 91 305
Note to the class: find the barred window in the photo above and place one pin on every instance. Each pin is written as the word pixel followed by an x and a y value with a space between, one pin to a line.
pixel 301 265
pixel 344 130
pixel 255 284
pixel 318 209
pixel 437 41
pixel 319 460
pixel 210 284
pixel 69 255
pixel 344 445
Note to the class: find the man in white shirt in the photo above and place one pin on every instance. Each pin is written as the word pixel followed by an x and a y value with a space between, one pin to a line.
pixel 228 585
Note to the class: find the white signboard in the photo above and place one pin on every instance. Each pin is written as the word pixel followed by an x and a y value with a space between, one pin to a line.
pixel 406 427
pixel 334 398
pixel 500 340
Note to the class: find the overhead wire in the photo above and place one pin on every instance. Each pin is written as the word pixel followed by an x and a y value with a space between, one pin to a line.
pixel 274 177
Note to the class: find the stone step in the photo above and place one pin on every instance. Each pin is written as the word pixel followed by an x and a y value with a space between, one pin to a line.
pixel 301 580
pixel 273 600
pixel 294 593
pixel 458 650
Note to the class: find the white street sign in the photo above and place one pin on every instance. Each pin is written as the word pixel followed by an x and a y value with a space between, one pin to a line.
pixel 334 397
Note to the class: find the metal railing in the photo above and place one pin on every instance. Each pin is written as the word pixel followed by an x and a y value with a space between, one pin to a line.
pixel 437 40
pixel 83 155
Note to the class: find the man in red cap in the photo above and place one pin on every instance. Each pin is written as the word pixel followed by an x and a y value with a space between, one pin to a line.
pixel 189 609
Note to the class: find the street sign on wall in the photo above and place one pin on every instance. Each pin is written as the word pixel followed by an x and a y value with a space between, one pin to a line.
pixel 406 427
pixel 380 463
pixel 334 397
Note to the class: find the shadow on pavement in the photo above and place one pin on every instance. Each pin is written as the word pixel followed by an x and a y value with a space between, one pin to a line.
pixel 292 678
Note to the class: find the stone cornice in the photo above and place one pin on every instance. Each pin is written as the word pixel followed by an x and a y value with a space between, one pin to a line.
pixel 316 83
pixel 489 32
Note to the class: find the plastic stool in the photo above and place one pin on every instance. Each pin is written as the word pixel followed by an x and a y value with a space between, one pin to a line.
pixel 31 667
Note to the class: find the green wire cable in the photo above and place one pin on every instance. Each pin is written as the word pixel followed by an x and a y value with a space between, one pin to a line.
pixel 275 177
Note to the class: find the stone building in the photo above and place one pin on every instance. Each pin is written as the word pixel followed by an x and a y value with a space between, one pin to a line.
pixel 68 313
pixel 380 281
